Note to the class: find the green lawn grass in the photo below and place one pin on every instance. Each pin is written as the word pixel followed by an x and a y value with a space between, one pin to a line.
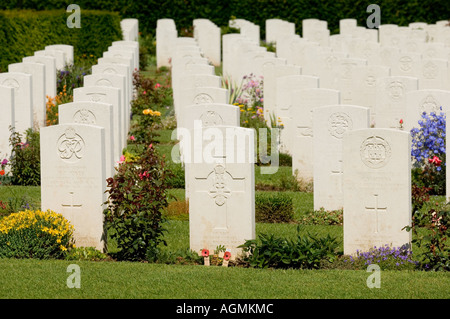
pixel 126 280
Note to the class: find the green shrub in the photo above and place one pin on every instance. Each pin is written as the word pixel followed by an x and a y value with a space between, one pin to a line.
pixel 177 179
pixel 434 240
pixel 25 168
pixel 22 32
pixel 35 234
pixel 323 217
pixel 273 208
pixel 85 253
pixel 136 202
pixel 306 252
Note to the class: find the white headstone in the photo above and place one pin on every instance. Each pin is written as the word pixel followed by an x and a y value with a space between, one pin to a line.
pixel 130 29
pixel 109 95
pixel 270 74
pixel 208 38
pixel 304 103
pixel 434 74
pixel 73 179
pixel 222 199
pixel 67 49
pixel 50 72
pixel 330 123
pixel 166 33
pixel 428 101
pixel 285 102
pixel 112 80
pixel 37 72
pixel 391 102
pixel 6 120
pixel 377 189
pixel 23 105
pixel 97 114
pixel 130 46
pixel 201 95
pixel 60 57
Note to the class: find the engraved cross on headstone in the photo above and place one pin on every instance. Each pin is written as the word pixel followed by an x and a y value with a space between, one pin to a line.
pixel 338 173
pixel 220 184
pixel 304 129
pixel 71 206
pixel 377 209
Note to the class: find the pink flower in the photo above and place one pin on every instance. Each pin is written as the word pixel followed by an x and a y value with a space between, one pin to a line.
pixel 122 159
pixel 150 146
pixel 157 85
pixel 145 92
pixel 132 138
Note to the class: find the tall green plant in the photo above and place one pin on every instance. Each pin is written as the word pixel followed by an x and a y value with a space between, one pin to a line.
pixel 136 202
pixel 25 159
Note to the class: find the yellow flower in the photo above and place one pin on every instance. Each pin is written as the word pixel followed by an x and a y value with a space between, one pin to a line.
pixel 63 248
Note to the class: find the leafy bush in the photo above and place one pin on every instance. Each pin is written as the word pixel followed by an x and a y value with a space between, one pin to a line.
pixel 273 208
pixel 177 179
pixel 35 234
pixel 388 258
pixel 435 239
pixel 428 153
pixel 303 252
pixel 136 202
pixel 25 168
pixel 323 217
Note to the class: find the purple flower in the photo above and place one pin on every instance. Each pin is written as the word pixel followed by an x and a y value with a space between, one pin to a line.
pixel 4 162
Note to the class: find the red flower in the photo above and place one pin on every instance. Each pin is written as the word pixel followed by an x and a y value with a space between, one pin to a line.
pixel 2 172
pixel 401 121
pixel 205 252
pixel 435 160
pixel 226 255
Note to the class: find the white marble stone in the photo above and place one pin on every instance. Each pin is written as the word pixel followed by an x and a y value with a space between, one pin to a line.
pixel 73 179
pixel 330 123
pixel 377 189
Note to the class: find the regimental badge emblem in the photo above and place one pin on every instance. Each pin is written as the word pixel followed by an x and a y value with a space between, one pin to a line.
pixel 405 63
pixel 338 124
pixel 70 146
pixel 375 152
pixel 211 118
pixel 430 70
pixel 203 98
pixel 84 116
pixel 429 104
pixel 395 90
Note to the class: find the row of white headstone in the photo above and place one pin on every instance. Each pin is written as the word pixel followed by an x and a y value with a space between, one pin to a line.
pixel 220 190
pixel 82 151
pixel 364 170
pixel 24 88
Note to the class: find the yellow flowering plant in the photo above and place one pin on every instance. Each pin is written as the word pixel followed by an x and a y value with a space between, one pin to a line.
pixel 35 234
